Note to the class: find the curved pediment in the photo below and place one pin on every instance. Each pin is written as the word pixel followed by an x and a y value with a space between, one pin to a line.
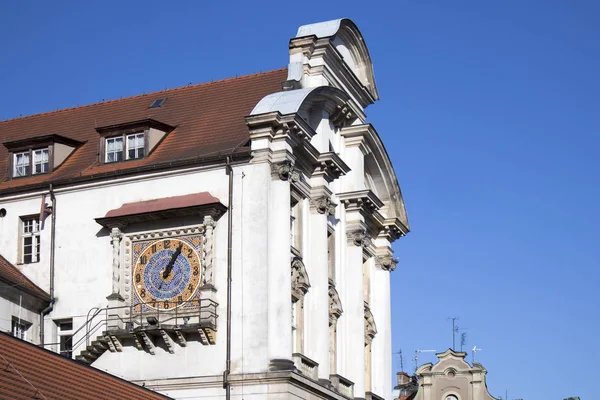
pixel 336 102
pixel 451 359
pixel 345 36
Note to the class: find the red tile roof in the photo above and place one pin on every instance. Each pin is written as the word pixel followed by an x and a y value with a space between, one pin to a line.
pixel 29 372
pixel 167 203
pixel 11 275
pixel 209 120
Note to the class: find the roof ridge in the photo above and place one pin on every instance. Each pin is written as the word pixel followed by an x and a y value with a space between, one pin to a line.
pixel 145 94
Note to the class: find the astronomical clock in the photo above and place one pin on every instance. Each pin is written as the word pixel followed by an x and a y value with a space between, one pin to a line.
pixel 166 273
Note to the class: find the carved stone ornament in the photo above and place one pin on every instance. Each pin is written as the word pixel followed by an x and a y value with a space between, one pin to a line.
pixel 342 115
pixel 335 305
pixel 286 171
pixel 116 235
pixel 208 255
pixel 300 282
pixel 370 328
pixel 323 205
pixel 359 237
pixel 386 263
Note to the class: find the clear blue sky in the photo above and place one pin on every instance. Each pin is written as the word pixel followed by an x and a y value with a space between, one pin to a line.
pixel 490 113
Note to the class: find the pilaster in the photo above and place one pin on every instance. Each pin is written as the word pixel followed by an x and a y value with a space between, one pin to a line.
pixel 317 326
pixel 279 279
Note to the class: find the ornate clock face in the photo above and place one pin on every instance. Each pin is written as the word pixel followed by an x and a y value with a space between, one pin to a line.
pixel 167 272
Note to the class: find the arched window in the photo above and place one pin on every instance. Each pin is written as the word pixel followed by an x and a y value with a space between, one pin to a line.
pixel 451 397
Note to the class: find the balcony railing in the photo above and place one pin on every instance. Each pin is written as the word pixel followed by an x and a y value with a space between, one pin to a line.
pixel 306 366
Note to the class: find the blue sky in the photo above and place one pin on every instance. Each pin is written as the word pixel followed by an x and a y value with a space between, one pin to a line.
pixel 489 110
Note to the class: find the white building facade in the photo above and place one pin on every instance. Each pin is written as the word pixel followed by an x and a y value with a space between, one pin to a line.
pixel 256 270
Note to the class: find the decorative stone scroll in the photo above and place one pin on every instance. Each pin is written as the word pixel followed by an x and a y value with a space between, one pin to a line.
pixel 300 281
pixel 335 305
pixel 286 171
pixel 359 237
pixel 370 328
pixel 323 205
pixel 386 263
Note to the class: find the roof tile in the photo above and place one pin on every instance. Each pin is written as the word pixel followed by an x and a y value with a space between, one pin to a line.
pixel 209 120
pixel 11 275
pixel 29 372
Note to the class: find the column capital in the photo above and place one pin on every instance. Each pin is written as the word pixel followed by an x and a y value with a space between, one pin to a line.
pixel 358 236
pixel 116 233
pixel 323 205
pixel 285 170
pixel 386 262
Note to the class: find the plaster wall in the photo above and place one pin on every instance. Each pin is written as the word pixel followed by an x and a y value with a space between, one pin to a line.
pixel 10 310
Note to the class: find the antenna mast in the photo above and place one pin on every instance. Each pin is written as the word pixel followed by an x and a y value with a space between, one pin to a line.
pixel 401 360
pixel 454 330
pixel 416 357
pixel 463 340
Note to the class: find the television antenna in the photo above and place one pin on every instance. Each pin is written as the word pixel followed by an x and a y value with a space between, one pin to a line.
pixel 399 352
pixel 416 357
pixel 454 330
pixel 474 350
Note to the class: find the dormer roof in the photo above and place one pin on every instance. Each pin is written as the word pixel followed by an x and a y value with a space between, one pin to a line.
pixel 208 119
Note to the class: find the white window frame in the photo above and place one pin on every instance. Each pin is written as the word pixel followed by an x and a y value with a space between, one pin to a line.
pixel 64 333
pixel 24 167
pixel 44 162
pixel 138 149
pixel 115 152
pixel 20 328
pixel 30 228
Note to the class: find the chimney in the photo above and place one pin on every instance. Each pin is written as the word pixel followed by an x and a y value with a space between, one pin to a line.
pixel 403 379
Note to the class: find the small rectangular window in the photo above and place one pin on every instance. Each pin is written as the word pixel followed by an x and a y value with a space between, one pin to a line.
pixel 20 328
pixel 65 337
pixel 114 149
pixel 30 240
pixel 135 146
pixel 40 161
pixel 21 164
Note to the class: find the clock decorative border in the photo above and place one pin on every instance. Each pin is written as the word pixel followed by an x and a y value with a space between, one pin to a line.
pixel 206 230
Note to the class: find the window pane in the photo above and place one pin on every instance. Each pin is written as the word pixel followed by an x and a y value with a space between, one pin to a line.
pixel 40 161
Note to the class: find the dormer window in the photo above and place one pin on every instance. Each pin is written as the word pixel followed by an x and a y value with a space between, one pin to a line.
pixel 133 149
pixel 39 155
pixel 132 140
pixel 31 161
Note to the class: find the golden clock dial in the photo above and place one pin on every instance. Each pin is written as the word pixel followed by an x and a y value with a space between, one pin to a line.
pixel 166 273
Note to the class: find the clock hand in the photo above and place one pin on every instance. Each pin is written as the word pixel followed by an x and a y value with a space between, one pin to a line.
pixel 171 263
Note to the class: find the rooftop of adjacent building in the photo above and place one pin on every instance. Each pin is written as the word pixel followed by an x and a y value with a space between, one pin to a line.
pixel 29 372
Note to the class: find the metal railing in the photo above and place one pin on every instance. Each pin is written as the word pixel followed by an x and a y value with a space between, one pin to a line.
pixel 128 319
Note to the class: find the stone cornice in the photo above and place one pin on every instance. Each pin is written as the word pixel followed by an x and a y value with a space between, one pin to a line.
pixel 363 201
pixel 392 229
pixel 274 124
pixel 330 166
